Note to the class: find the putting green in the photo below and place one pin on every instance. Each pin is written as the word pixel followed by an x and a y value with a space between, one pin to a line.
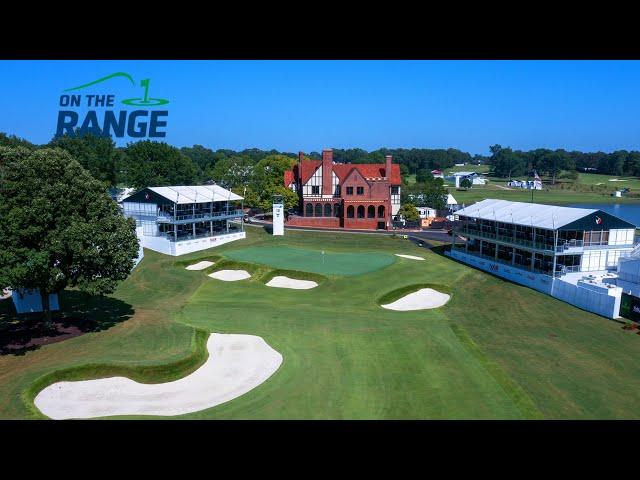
pixel 331 263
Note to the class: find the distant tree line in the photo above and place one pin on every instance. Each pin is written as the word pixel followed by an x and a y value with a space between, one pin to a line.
pixel 508 163
pixel 257 174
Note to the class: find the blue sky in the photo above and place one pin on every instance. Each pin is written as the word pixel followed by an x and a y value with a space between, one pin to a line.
pixel 310 105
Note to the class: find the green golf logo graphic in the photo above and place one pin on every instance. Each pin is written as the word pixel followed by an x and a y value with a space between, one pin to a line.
pixel 142 102
pixel 136 123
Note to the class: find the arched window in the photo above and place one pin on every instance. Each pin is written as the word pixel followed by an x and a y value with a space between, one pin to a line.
pixel 381 211
pixel 327 209
pixel 371 212
pixel 309 210
pixel 336 210
pixel 360 211
pixel 350 211
pixel 318 209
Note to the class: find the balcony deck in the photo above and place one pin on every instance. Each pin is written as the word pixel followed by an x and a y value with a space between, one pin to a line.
pixel 199 217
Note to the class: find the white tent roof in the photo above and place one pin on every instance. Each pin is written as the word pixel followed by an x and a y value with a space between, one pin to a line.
pixel 196 194
pixel 529 214
pixel 451 200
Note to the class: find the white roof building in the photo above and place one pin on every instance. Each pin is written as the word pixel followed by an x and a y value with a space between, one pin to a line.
pixel 529 214
pixel 195 194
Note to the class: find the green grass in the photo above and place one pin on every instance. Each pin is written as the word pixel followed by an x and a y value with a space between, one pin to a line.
pixel 550 196
pixel 331 263
pixel 495 350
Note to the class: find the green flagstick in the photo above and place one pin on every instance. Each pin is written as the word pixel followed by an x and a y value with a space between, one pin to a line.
pixel 145 84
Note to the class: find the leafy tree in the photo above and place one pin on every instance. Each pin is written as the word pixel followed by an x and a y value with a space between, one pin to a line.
pixel 435 195
pixel 14 141
pixel 233 172
pixel 97 154
pixel 506 163
pixel 423 176
pixel 157 164
pixel 59 226
pixel 267 181
pixel 409 212
pixel 204 158
pixel 466 183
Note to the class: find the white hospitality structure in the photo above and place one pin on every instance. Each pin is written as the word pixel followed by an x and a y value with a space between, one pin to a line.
pixel 569 253
pixel 457 178
pixel 184 219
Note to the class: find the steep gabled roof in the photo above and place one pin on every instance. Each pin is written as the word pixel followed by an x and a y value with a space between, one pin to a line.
pixel 289 177
pixel 370 171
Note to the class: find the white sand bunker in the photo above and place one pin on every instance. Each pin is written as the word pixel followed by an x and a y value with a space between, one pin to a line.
pixel 412 257
pixel 200 265
pixel 230 275
pixel 420 300
pixel 236 365
pixel 286 282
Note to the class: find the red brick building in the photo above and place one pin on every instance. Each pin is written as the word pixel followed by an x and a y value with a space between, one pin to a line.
pixel 361 196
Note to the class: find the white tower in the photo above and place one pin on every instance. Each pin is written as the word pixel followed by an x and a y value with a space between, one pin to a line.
pixel 278 215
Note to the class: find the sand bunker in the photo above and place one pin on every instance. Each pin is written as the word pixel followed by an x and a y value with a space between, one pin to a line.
pixel 412 257
pixel 420 300
pixel 230 275
pixel 200 265
pixel 286 282
pixel 236 365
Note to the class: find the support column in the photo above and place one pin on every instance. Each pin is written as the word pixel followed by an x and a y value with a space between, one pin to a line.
pixel 513 255
pixel 227 224
pixel 193 211
pixel 211 228
pixel 555 248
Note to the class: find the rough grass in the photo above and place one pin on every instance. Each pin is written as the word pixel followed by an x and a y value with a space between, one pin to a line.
pixel 160 373
pixel 496 350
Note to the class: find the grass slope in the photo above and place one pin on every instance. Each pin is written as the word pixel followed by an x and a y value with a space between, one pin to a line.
pixel 496 350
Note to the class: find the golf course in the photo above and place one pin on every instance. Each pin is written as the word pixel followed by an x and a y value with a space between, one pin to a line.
pixel 493 350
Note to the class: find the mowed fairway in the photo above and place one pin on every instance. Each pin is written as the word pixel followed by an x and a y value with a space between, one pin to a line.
pixel 321 261
pixel 495 350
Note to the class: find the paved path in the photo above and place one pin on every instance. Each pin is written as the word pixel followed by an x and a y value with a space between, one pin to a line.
pixel 416 236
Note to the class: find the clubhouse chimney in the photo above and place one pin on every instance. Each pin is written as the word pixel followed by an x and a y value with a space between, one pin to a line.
pixel 300 156
pixel 387 167
pixel 327 168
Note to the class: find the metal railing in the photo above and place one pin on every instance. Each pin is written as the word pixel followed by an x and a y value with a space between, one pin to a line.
pixel 168 218
pixel 184 237
pixel 510 239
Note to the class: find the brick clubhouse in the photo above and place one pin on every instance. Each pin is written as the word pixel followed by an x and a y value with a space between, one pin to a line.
pixel 341 195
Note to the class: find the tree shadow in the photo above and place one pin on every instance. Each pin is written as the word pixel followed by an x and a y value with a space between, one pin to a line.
pixel 79 313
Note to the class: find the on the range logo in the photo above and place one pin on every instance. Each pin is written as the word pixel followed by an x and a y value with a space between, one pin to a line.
pixel 598 220
pixel 140 122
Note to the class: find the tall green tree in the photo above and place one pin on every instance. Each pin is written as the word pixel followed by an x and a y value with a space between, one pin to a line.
pixel 96 154
pixel 157 164
pixel 267 181
pixel 59 226
pixel 409 212
pixel 14 141
pixel 233 172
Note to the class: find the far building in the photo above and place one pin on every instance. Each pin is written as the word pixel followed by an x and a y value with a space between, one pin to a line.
pixel 342 195
pixel 437 174
pixel 184 219
pixel 457 177
pixel 569 253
